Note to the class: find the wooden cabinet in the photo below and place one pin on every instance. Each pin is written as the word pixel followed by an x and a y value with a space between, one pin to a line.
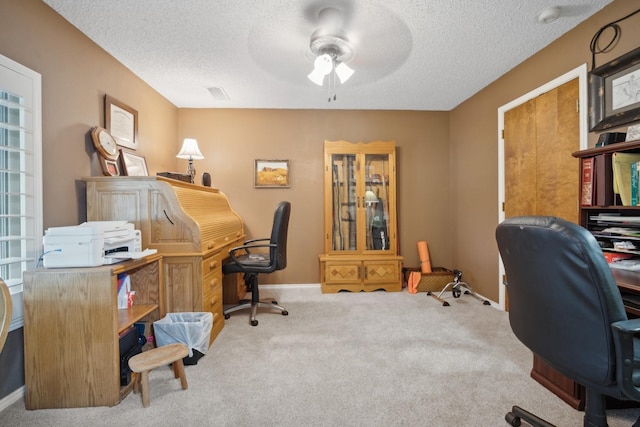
pixel 360 221
pixel 72 326
pixel 192 226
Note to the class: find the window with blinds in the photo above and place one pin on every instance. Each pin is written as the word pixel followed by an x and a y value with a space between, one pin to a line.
pixel 20 172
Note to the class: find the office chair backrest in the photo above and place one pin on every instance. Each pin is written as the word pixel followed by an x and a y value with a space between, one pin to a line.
pixel 562 296
pixel 5 312
pixel 279 235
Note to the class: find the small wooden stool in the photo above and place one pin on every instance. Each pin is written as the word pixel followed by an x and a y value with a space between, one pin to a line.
pixel 144 362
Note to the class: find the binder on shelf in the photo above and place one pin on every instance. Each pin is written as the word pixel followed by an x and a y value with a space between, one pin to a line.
pixel 603 173
pixel 621 163
pixel 587 190
pixel 634 184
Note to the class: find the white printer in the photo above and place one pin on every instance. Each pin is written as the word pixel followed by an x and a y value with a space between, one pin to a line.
pixel 90 244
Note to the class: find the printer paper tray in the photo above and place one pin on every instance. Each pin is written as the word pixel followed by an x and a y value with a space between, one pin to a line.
pixel 114 257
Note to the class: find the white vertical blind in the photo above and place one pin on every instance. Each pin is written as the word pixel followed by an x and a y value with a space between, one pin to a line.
pixel 20 171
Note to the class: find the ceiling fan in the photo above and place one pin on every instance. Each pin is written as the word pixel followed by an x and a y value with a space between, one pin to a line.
pixel 333 50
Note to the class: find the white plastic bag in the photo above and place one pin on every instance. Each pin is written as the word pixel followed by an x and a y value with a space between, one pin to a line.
pixel 190 329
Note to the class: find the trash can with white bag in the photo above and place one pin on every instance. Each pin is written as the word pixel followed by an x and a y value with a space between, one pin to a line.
pixel 192 329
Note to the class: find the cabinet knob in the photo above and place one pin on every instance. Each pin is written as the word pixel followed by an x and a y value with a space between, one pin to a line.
pixel 213 264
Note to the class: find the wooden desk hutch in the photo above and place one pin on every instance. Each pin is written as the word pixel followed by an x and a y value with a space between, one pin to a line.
pixel 591 217
pixel 192 227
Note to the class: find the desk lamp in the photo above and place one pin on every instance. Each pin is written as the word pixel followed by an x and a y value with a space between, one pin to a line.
pixel 191 152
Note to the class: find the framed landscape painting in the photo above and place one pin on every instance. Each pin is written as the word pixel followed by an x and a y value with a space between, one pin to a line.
pixel 271 174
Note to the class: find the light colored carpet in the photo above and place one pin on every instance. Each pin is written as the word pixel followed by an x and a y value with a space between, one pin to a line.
pixel 347 359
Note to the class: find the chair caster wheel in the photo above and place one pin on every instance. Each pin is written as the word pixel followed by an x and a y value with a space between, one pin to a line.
pixel 274 302
pixel 456 293
pixel 254 323
pixel 227 316
pixel 285 313
pixel 486 302
pixel 445 304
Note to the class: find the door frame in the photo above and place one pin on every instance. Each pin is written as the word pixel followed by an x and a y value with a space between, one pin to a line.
pixel 580 73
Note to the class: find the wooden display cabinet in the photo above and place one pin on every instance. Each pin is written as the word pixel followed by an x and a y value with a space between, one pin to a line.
pixel 72 327
pixel 360 221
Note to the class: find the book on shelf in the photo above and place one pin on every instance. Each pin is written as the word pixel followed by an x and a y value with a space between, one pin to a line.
pixel 634 184
pixel 603 177
pixel 587 190
pixel 622 177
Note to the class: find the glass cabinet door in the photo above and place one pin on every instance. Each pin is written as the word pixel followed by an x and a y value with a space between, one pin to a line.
pixel 344 196
pixel 376 201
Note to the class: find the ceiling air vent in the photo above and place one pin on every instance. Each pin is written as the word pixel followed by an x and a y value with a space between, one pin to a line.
pixel 218 93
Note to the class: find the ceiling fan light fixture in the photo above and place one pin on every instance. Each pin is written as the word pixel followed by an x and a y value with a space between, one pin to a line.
pixel 344 72
pixel 317 77
pixel 333 51
pixel 321 67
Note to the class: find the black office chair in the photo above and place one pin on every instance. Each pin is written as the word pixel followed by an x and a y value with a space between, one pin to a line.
pixel 565 306
pixel 254 258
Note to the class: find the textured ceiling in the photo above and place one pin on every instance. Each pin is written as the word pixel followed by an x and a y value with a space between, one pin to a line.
pixel 410 54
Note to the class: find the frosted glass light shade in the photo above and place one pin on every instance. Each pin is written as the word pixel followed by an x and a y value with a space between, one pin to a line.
pixel 321 67
pixel 344 72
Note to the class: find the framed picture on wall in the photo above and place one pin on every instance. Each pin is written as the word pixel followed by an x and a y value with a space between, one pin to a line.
pixel 122 122
pixel 614 92
pixel 271 174
pixel 133 164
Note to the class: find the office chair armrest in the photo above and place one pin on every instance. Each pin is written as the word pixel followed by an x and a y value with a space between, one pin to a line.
pixel 247 248
pixel 624 333
pixel 246 242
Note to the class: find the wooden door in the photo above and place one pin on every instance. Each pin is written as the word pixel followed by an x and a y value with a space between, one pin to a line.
pixel 541 176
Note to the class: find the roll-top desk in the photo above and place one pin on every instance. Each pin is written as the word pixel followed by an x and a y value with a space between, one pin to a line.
pixel 192 226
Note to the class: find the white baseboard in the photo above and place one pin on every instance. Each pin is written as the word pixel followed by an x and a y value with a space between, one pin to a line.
pixel 290 287
pixel 12 398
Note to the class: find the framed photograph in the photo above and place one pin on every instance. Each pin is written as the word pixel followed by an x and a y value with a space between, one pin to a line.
pixel 133 164
pixel 614 92
pixel 271 174
pixel 122 122
pixel 633 133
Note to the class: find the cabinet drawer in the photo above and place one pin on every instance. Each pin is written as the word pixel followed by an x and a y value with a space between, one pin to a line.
pixel 342 272
pixel 212 264
pixel 212 283
pixel 382 271
pixel 212 302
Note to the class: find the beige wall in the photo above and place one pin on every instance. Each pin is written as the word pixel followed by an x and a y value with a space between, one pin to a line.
pixel 447 161
pixel 76 75
pixel 474 143
pixel 231 140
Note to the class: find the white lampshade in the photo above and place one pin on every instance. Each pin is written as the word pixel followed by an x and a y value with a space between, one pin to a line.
pixel 344 72
pixel 370 197
pixel 190 150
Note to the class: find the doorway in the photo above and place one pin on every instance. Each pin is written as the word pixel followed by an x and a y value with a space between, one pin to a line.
pixel 546 187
